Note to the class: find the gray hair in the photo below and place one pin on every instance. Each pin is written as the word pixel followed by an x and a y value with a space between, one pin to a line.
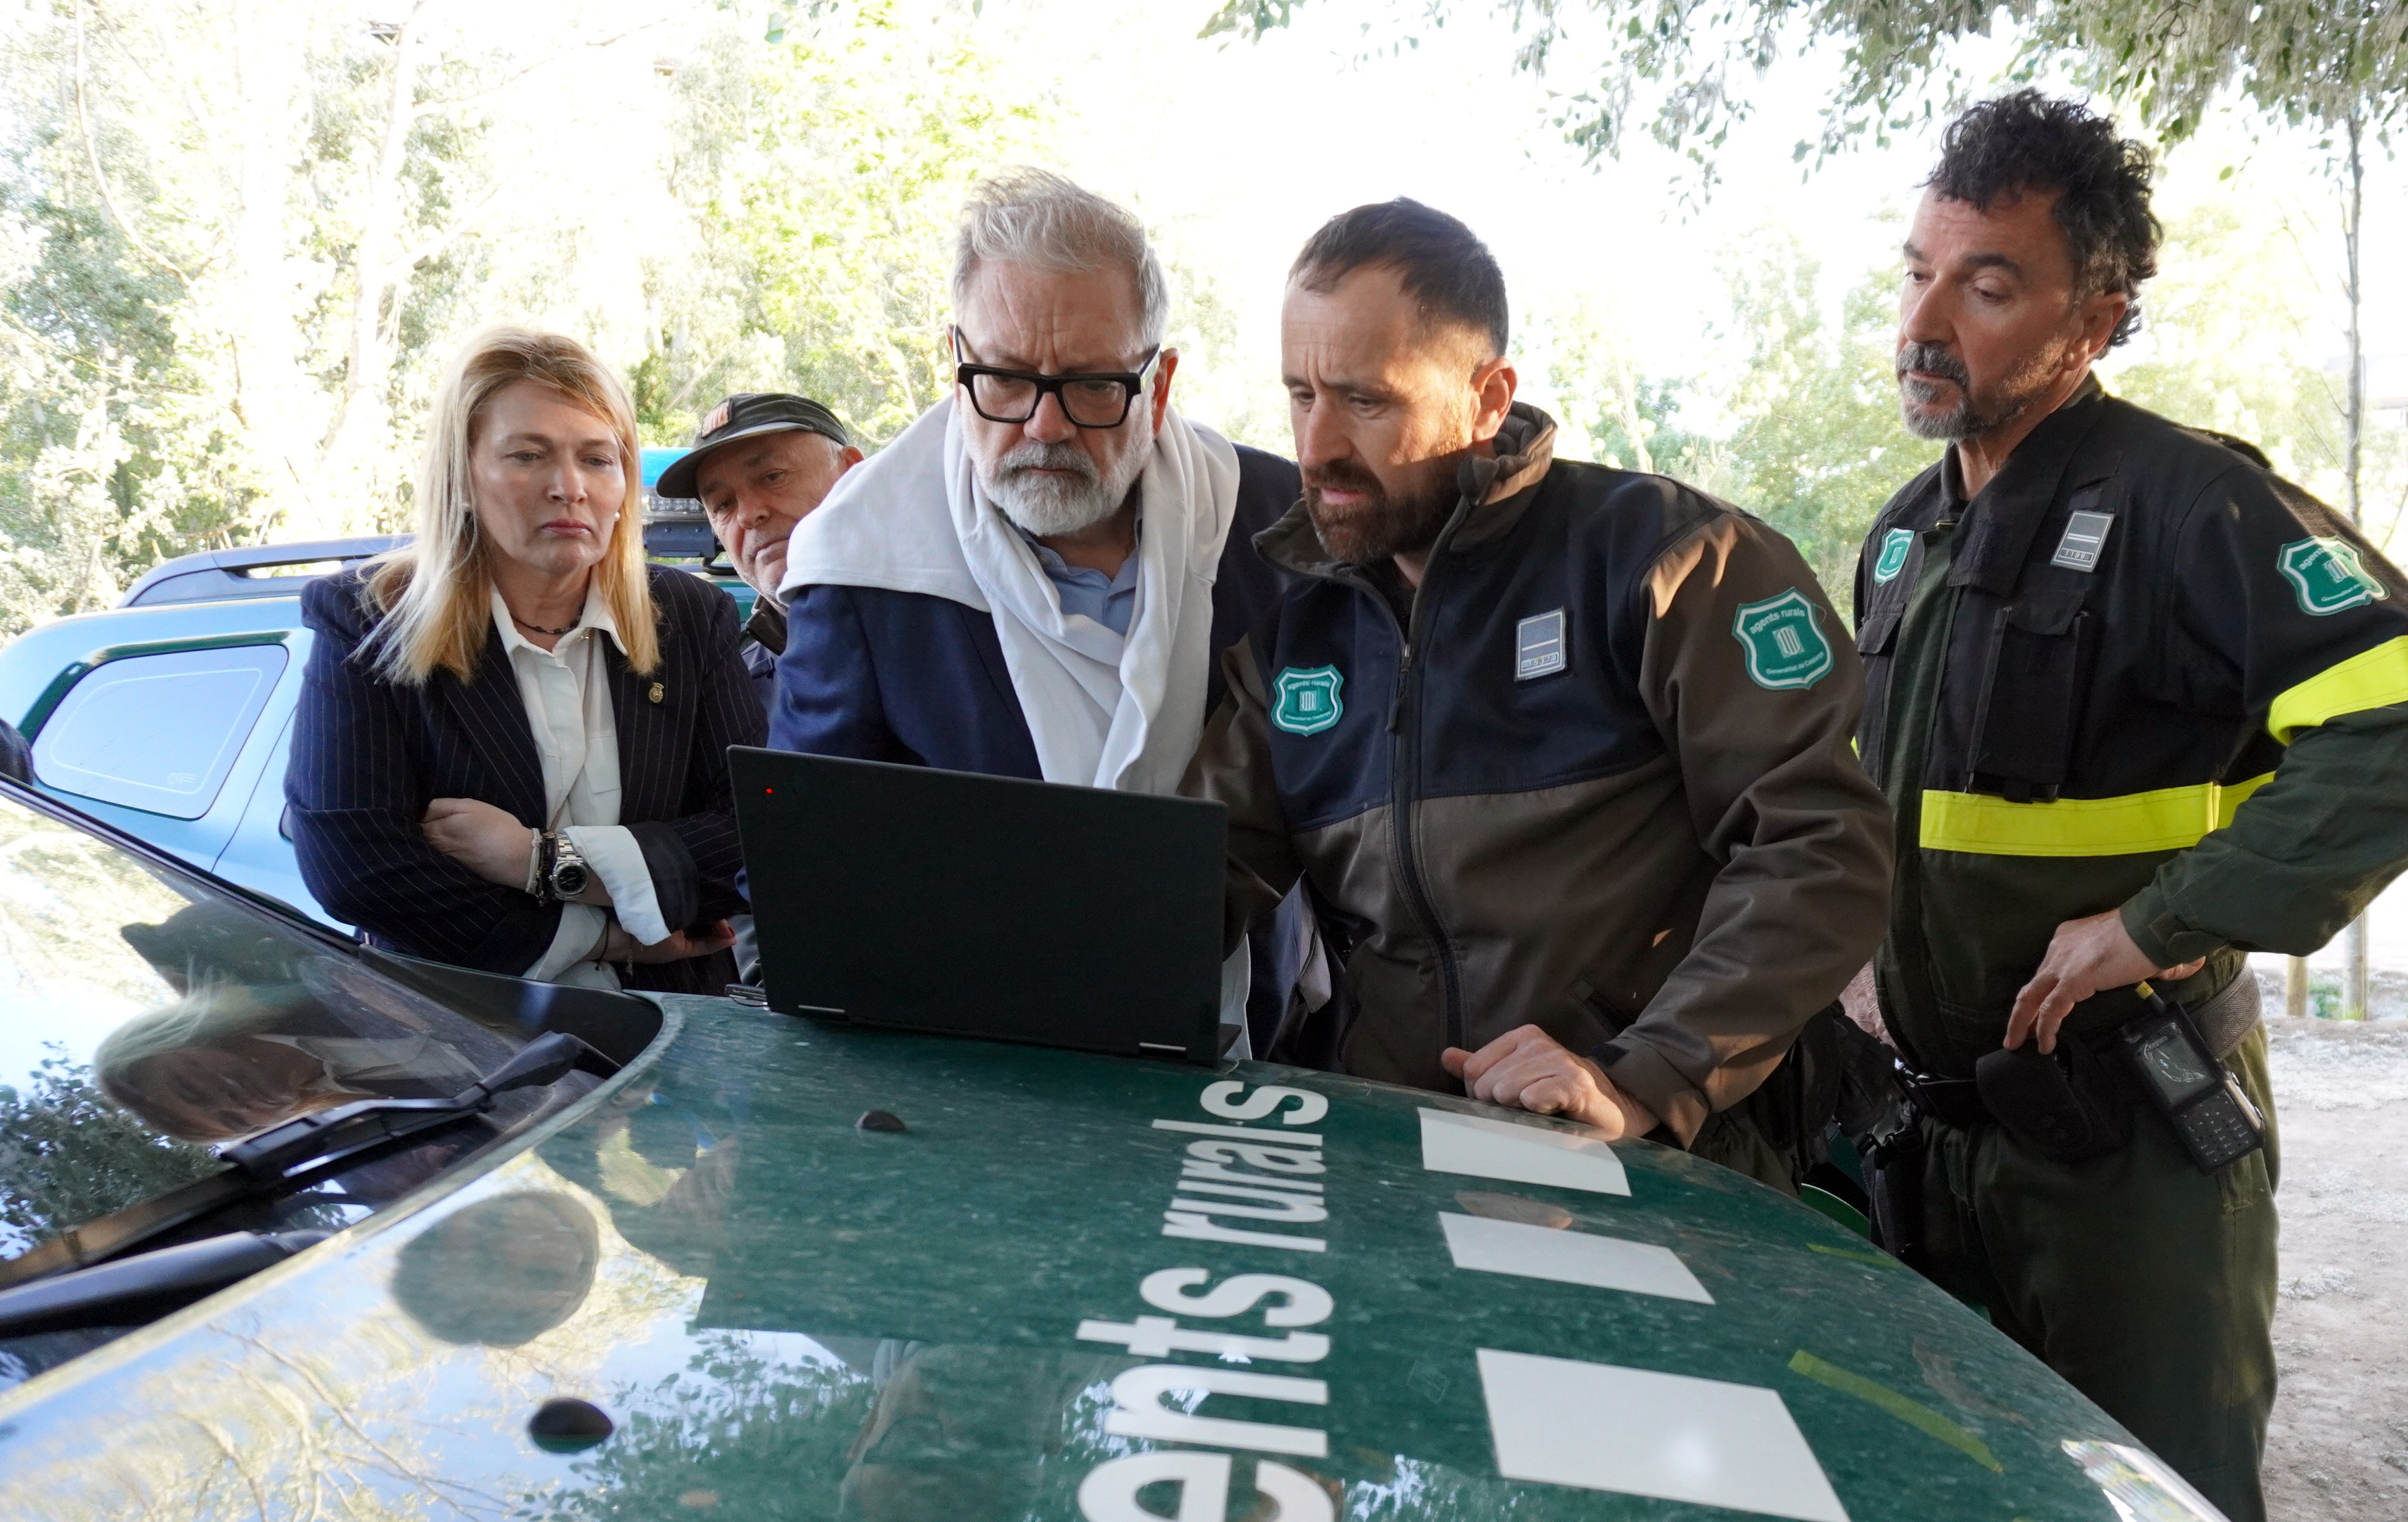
pixel 1039 219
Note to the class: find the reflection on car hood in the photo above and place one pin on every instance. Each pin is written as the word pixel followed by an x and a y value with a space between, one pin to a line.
pixel 1071 1286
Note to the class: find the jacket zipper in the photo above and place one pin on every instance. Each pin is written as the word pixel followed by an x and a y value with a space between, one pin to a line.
pixel 1404 785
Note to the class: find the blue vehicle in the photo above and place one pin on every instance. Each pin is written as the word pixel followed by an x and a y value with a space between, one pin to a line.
pixel 170 716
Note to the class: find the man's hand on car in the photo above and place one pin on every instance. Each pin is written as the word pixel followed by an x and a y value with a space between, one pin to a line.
pixel 2084 957
pixel 1529 1070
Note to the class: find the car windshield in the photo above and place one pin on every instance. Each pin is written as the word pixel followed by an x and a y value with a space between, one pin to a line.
pixel 148 1021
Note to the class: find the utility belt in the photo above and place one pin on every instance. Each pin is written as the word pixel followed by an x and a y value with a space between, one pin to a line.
pixel 2076 1104
pixel 2223 1022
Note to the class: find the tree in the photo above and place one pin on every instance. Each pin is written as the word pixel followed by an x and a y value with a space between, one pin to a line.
pixel 1800 427
pixel 224 209
pixel 1627 418
pixel 817 177
pixel 2229 337
pixel 2306 59
pixel 68 1155
pixel 239 237
pixel 108 454
pixel 421 194
pixel 1819 446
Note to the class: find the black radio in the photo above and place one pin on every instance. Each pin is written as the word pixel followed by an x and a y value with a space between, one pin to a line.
pixel 2218 1124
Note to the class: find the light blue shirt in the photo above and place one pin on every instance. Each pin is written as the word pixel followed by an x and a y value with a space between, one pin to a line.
pixel 1110 600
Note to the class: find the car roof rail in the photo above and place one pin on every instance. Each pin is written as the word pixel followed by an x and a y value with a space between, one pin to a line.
pixel 279 571
pixel 251 570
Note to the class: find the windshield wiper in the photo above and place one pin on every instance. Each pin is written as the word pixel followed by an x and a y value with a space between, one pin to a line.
pixel 329 1135
pixel 147 1286
pixel 286 1156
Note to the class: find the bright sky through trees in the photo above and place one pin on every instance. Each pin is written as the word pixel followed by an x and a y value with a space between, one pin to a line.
pixel 1239 150
pixel 229 331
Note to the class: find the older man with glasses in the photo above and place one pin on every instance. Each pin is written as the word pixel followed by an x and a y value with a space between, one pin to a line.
pixel 1037 578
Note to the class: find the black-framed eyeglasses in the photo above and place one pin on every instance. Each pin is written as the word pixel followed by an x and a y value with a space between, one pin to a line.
pixel 1089 401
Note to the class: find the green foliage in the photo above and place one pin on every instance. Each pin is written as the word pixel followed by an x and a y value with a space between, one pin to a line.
pixel 234 257
pixel 2318 62
pixel 106 461
pixel 2311 61
pixel 2213 361
pixel 183 237
pixel 68 1155
pixel 1805 432
pixel 1609 410
pixel 818 179
pixel 1819 446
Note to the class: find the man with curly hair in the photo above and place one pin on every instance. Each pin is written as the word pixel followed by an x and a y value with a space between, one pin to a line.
pixel 2140 708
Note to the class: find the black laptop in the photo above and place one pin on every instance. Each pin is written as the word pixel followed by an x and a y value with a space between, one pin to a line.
pixel 954 902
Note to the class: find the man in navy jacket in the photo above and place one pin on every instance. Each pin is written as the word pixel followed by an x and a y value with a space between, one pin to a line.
pixel 1009 551
pixel 1038 577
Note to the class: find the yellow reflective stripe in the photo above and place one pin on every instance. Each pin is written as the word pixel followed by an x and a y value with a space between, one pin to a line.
pixel 2169 819
pixel 2376 678
pixel 2231 795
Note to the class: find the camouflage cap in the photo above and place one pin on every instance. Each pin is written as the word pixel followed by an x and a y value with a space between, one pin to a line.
pixel 748 414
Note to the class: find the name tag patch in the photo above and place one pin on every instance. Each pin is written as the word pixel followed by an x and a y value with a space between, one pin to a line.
pixel 1538 646
pixel 2086 538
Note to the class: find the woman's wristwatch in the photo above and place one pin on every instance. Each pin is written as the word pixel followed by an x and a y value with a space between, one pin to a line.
pixel 563 872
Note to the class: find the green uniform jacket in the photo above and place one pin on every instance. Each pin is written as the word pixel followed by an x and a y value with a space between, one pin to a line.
pixel 2138 672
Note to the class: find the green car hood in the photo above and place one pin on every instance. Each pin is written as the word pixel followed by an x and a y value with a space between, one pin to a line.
pixel 1070 1286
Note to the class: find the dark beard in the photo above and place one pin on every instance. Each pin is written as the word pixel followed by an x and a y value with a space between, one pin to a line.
pixel 1383 527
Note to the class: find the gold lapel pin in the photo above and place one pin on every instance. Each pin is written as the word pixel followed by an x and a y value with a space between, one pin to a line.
pixel 658 693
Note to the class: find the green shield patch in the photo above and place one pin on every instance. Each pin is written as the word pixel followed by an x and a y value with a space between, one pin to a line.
pixel 1894 546
pixel 2327 576
pixel 1784 648
pixel 1306 702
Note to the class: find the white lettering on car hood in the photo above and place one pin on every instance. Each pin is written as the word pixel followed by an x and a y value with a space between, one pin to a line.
pixel 1252 1186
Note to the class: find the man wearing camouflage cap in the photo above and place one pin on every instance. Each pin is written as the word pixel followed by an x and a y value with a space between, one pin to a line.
pixel 761 462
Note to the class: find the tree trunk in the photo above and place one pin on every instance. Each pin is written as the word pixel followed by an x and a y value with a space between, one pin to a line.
pixel 2353 974
pixel 381 281
pixel 1644 458
pixel 273 398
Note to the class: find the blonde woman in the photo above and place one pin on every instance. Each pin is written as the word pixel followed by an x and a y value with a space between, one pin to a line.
pixel 510 752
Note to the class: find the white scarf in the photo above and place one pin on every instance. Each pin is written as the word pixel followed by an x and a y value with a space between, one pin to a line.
pixel 1104 711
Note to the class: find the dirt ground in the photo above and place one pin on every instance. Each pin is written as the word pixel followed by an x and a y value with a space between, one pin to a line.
pixel 2338 1447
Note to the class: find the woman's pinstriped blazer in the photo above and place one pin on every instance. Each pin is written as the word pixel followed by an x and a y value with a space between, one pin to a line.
pixel 369 755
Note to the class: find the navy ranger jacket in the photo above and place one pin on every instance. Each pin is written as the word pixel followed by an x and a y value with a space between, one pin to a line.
pixel 1593 776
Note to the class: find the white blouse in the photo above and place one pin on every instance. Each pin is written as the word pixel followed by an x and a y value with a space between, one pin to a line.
pixel 567 691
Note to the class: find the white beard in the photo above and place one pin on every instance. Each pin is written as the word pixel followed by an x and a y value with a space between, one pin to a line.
pixel 1050 505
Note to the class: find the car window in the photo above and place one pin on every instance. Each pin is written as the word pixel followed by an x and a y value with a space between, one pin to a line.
pixel 160 732
pixel 147 1022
